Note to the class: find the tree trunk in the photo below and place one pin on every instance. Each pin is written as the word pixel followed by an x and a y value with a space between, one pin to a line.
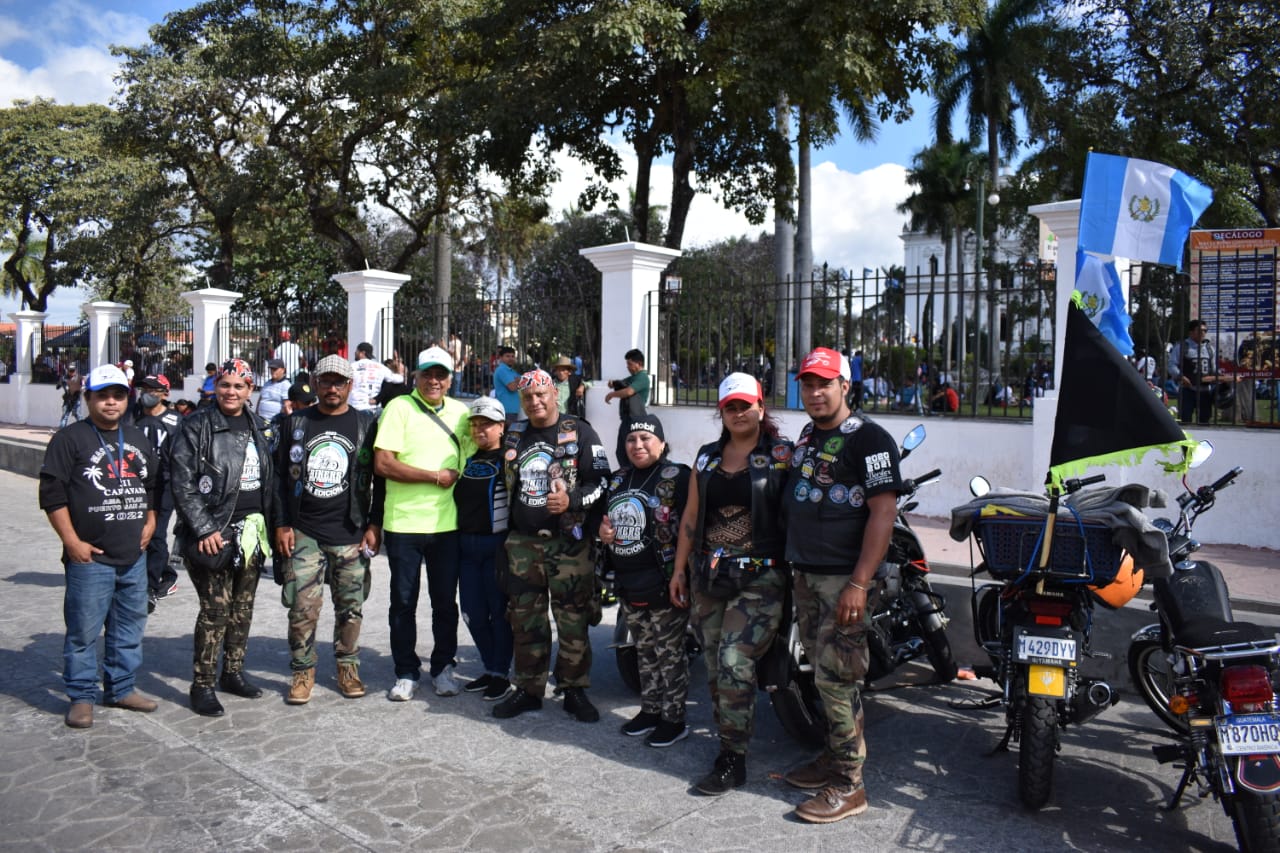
pixel 804 241
pixel 783 258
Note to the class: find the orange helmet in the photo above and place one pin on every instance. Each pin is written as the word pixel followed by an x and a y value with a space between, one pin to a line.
pixel 1127 584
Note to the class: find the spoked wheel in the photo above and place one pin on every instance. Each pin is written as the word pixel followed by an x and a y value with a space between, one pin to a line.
pixel 1152 676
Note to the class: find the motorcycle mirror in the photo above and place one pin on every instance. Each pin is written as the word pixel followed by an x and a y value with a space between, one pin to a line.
pixel 914 438
pixel 979 486
pixel 1201 453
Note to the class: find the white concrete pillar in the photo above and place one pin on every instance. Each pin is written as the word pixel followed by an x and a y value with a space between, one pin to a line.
pixel 102 316
pixel 27 340
pixel 629 271
pixel 210 326
pixel 370 293
pixel 1063 219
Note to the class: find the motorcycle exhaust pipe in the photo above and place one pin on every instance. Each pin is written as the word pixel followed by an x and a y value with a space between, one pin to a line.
pixel 1092 698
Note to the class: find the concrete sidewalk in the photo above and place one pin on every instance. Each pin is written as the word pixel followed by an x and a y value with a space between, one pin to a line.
pixel 442 774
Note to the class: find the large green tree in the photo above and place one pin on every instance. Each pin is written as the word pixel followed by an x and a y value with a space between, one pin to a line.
pixel 54 175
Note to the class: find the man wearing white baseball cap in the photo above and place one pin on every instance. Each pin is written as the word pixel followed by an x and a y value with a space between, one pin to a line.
pixel 97 485
pixel 424 439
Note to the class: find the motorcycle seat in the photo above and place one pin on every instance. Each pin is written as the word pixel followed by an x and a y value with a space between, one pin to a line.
pixel 1205 633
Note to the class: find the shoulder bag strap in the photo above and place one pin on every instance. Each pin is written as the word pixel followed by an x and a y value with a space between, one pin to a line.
pixel 440 422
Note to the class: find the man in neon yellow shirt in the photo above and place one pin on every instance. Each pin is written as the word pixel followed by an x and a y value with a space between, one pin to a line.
pixel 423 442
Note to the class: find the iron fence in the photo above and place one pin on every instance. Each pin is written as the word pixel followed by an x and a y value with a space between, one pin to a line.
pixel 298 337
pixel 156 346
pixel 472 330
pixel 907 332
pixel 987 337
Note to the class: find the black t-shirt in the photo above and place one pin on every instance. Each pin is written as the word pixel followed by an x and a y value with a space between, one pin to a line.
pixel 249 499
pixel 107 500
pixel 160 429
pixel 833 472
pixel 481 494
pixel 322 470
pixel 544 455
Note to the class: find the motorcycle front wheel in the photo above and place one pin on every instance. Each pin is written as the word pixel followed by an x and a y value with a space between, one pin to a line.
pixel 800 710
pixel 1256 818
pixel 1036 751
pixel 627 658
pixel 1152 676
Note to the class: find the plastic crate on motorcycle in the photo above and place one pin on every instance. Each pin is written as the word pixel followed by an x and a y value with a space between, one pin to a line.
pixel 1081 552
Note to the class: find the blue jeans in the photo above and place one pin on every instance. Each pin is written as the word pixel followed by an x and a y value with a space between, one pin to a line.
pixel 99 595
pixel 484 604
pixel 405 553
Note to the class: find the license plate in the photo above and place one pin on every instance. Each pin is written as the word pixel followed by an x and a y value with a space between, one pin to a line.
pixel 1046 681
pixel 1248 734
pixel 1032 648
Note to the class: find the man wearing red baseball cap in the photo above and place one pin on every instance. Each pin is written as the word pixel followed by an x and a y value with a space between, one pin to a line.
pixel 842 501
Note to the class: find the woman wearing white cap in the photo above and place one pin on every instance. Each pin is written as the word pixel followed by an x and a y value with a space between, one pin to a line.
pixel 731 540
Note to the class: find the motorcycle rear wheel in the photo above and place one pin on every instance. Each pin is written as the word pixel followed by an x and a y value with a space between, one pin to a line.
pixel 1256 818
pixel 1036 751
pixel 1152 676
pixel 936 645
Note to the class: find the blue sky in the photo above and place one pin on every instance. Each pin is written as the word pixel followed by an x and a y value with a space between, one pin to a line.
pixel 59 49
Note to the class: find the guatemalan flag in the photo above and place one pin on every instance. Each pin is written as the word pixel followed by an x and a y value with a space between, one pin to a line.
pixel 1137 209
pixel 1102 299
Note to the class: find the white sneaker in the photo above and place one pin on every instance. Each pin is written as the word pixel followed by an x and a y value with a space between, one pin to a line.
pixel 402 690
pixel 446 683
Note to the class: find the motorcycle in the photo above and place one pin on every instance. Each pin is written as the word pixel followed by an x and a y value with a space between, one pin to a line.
pixel 908 621
pixel 1150 657
pixel 1035 622
pixel 1213 680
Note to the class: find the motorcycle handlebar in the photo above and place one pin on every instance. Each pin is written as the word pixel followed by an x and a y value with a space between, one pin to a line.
pixel 1226 479
pixel 924 478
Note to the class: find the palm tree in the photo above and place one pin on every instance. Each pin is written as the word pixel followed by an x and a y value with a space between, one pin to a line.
pixel 998 71
pixel 939 173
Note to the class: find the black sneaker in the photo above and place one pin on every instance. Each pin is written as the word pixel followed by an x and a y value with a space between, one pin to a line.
pixel 577 704
pixel 641 724
pixel 517 703
pixel 478 685
pixel 667 733
pixel 151 603
pixel 730 772
pixel 498 687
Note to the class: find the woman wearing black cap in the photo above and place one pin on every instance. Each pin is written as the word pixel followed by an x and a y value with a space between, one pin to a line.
pixel 645 501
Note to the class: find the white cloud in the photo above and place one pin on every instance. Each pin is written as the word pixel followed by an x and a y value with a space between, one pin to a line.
pixel 855 219
pixel 65 51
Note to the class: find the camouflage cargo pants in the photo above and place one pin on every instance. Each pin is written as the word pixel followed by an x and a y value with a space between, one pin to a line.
pixel 664 666
pixel 736 632
pixel 559 572
pixel 840 659
pixel 226 606
pixel 305 574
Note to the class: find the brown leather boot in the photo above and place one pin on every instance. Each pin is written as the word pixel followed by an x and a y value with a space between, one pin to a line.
pixel 80 715
pixel 349 681
pixel 300 690
pixel 813 776
pixel 833 803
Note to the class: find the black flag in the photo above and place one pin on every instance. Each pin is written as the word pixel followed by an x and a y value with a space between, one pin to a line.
pixel 1107 414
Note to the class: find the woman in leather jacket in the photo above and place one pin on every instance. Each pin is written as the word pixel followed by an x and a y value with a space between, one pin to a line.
pixel 730 555
pixel 222 483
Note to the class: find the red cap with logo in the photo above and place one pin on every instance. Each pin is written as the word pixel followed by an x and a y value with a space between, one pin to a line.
pixel 826 363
